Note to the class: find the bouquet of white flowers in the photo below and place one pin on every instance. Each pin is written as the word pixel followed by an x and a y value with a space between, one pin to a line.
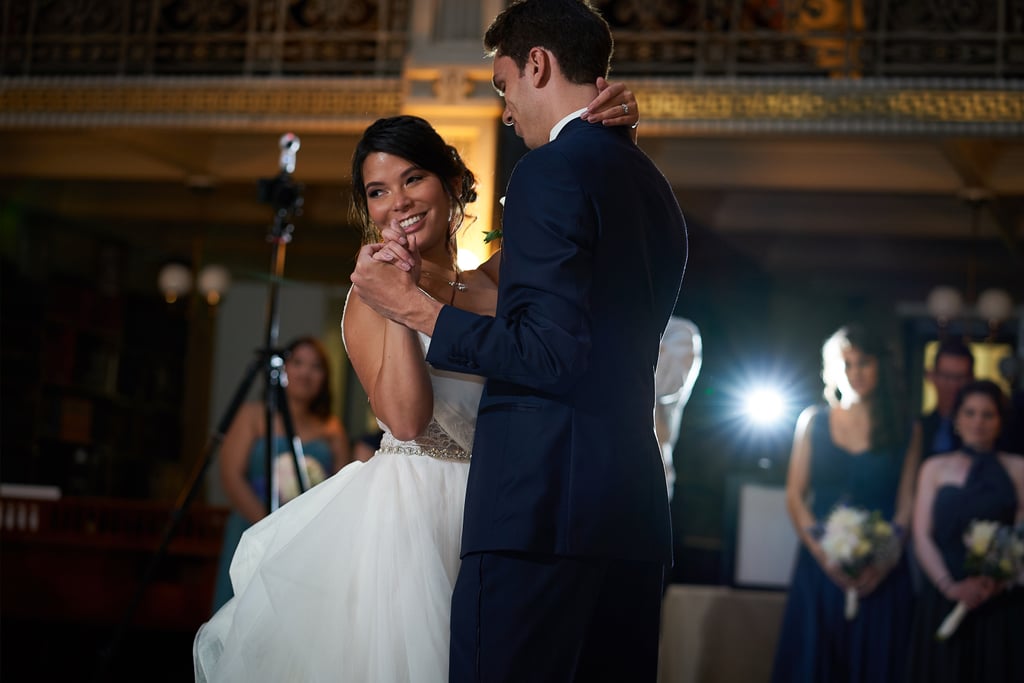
pixel 994 550
pixel 288 483
pixel 853 539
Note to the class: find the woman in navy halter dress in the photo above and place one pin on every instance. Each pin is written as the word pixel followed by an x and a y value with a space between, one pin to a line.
pixel 972 483
pixel 852 452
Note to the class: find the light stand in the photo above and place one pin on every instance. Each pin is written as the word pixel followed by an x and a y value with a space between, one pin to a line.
pixel 285 196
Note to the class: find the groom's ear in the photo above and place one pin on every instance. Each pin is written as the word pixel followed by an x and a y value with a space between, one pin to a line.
pixel 540 64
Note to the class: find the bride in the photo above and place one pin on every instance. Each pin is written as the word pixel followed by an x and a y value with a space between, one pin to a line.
pixel 352 581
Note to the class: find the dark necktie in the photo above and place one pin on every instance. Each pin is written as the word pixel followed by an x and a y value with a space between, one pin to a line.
pixel 943 441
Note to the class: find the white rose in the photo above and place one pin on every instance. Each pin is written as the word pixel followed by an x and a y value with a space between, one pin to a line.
pixel 979 536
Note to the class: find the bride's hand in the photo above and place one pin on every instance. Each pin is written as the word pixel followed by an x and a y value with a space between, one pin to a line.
pixel 400 250
pixel 607 108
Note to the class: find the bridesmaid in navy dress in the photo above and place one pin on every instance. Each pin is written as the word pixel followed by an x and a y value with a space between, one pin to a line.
pixel 973 482
pixel 859 450
pixel 242 462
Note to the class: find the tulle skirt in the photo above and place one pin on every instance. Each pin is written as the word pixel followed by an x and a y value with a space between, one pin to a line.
pixel 351 581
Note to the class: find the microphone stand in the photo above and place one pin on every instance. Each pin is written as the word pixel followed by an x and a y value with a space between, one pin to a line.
pixel 285 196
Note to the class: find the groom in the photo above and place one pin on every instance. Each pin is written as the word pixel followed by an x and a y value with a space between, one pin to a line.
pixel 566 532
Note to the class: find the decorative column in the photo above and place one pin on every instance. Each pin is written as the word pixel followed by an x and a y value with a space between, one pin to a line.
pixel 447 81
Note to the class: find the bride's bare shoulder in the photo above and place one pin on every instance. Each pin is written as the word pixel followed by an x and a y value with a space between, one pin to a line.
pixel 490 267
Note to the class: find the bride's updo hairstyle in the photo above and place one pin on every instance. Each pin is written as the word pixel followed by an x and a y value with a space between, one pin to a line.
pixel 416 141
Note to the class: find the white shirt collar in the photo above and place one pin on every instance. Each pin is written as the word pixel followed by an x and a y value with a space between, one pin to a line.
pixel 561 124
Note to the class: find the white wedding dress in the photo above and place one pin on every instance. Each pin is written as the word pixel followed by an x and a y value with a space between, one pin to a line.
pixel 352 580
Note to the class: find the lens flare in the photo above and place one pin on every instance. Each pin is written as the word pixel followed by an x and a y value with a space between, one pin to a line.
pixel 764 406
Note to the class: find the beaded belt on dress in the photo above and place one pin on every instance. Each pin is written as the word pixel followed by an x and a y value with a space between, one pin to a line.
pixel 434 443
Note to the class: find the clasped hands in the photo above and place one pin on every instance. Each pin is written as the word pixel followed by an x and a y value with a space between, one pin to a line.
pixel 387 272
pixel 865 582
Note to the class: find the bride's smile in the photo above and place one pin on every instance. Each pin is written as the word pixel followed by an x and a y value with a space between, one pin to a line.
pixel 398 190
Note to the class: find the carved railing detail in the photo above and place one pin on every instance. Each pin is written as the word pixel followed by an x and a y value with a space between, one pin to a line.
pixel 844 38
pixel 204 37
pixel 907 66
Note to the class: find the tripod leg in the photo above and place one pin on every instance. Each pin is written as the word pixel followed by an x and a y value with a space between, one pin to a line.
pixel 275 367
pixel 298 456
pixel 106 655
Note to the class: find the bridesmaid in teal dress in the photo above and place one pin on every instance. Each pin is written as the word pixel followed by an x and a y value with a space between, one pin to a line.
pixel 861 451
pixel 242 463
pixel 976 481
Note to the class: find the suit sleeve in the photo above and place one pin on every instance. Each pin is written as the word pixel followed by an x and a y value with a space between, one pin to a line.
pixel 540 335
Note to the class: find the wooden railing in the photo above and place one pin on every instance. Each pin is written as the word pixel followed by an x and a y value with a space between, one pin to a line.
pixel 82 560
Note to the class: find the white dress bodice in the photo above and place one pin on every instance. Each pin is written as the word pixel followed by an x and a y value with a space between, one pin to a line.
pixel 450 433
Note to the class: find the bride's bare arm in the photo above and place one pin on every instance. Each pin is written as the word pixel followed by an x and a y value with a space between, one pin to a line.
pixel 615 105
pixel 388 360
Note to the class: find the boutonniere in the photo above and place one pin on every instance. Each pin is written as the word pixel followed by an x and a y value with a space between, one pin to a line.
pixel 495 234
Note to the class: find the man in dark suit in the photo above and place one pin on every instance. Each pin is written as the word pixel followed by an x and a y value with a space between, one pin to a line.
pixel 952 369
pixel 566 530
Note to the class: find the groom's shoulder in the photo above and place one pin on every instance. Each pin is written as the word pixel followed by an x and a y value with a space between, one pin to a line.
pixel 580 133
pixel 582 139
pixel 581 146
pixel 544 157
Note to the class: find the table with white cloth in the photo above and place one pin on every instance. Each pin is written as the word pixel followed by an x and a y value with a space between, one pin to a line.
pixel 717 634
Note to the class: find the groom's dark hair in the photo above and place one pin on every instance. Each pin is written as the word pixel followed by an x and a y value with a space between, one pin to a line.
pixel 573 30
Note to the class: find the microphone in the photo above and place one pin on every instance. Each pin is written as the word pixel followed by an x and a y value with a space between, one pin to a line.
pixel 289 146
pixel 282 191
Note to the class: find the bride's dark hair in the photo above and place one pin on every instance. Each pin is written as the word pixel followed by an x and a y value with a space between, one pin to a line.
pixel 415 140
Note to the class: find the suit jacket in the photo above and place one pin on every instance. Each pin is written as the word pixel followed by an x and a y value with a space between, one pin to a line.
pixel 565 459
pixel 929 427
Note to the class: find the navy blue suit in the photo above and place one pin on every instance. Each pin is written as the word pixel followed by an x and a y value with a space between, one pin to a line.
pixel 930 425
pixel 566 464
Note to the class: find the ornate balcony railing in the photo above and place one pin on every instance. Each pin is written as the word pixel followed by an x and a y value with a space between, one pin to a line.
pixel 203 37
pixel 700 38
pixel 838 38
pixel 825 66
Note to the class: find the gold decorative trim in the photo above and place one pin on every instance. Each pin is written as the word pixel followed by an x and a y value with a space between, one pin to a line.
pixel 668 105
pixel 835 106
pixel 199 102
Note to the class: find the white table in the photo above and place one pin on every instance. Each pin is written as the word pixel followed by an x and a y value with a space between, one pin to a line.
pixel 716 634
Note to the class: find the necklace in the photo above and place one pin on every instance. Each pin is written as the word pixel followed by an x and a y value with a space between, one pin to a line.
pixel 457 284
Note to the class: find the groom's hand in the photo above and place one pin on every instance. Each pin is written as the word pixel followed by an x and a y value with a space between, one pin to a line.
pixel 380 279
pixel 384 282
